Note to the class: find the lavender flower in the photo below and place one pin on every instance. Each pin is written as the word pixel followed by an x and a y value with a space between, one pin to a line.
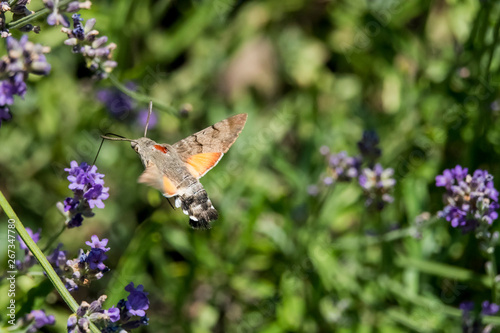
pixel 117 103
pixel 23 57
pixel 375 181
pixel 472 201
pixel 57 258
pixel 489 309
pixel 344 167
pixel 84 40
pixel 472 319
pixel 89 192
pixel 19 11
pixel 95 259
pixel 466 306
pixel 368 147
pixel 28 260
pixel 137 302
pixel 37 319
pixel 86 313
pixel 376 184
pixel 56 17
pixel 34 236
pixel 87 266
pixel 113 313
pixel 126 316
pixel 97 244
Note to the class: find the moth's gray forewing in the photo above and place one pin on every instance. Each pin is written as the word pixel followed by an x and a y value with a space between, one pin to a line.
pixel 217 138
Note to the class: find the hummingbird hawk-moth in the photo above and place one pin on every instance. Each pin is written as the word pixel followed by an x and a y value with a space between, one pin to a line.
pixel 175 169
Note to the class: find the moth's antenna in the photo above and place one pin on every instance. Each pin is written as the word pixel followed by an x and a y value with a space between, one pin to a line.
pixel 98 151
pixel 149 115
pixel 100 146
pixel 119 137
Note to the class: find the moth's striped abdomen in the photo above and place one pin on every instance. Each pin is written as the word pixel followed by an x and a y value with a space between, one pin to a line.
pixel 196 204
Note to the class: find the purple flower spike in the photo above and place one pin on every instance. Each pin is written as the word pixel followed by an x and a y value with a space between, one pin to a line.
pixel 89 192
pixel 471 200
pixel 22 58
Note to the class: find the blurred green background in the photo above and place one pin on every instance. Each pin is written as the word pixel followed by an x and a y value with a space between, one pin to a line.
pixel 423 74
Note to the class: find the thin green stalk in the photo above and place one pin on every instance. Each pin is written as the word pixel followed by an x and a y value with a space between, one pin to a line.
pixel 40 257
pixel 54 238
pixel 25 20
pixel 443 270
pixel 493 46
pixel 141 97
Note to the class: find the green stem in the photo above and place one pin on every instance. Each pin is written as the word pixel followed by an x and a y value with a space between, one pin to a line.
pixel 42 260
pixel 493 46
pixel 25 20
pixel 142 98
pixel 54 238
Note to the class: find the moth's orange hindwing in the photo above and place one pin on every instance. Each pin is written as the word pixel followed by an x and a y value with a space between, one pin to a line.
pixel 200 164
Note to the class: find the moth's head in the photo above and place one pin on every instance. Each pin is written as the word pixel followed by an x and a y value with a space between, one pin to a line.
pixel 140 145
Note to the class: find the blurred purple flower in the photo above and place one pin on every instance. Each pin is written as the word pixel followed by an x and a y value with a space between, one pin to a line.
pixel 13 86
pixel 368 147
pixel 56 17
pixel 23 57
pixel 344 167
pixel 143 117
pixel 38 319
pixel 489 309
pixel 117 103
pixel 34 236
pixel 28 260
pixel 471 200
pixel 377 183
pixel 466 306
